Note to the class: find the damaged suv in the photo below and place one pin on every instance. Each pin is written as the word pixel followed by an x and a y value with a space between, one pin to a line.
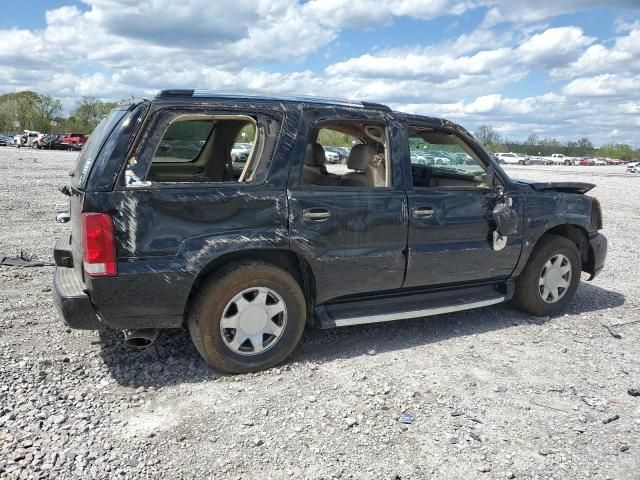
pixel 167 231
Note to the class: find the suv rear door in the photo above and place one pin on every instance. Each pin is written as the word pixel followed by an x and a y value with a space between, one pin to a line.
pixel 353 237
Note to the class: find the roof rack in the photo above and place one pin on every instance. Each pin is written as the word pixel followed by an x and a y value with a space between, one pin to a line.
pixel 270 97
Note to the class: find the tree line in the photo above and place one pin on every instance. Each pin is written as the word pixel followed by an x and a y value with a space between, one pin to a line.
pixel 43 113
pixel 534 145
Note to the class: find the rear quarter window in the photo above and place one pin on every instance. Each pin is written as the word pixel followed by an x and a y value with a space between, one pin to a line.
pixel 92 147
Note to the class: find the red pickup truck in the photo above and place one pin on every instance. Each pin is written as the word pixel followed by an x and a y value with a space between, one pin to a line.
pixel 74 139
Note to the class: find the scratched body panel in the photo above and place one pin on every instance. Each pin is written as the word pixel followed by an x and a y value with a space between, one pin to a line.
pixel 361 247
pixel 547 209
pixel 168 236
pixel 165 239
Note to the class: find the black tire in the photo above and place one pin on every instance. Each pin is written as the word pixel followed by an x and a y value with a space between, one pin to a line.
pixel 527 296
pixel 208 308
pixel 520 162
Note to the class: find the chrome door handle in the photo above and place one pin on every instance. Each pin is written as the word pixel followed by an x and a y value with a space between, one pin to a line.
pixel 423 212
pixel 316 214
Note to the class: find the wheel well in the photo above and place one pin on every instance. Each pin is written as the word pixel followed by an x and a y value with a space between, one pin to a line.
pixel 577 235
pixel 285 259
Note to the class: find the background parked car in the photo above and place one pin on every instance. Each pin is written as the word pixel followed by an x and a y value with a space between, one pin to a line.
pixel 51 142
pixel 5 141
pixel 75 140
pixel 25 139
pixel 342 158
pixel 537 160
pixel 512 158
pixel 331 155
pixel 239 156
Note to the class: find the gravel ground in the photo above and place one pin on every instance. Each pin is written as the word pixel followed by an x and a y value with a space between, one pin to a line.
pixel 493 393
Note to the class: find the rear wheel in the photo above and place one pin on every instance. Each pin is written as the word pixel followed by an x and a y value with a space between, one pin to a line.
pixel 248 317
pixel 551 277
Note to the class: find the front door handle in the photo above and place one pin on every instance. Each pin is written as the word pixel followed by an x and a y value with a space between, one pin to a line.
pixel 316 214
pixel 423 212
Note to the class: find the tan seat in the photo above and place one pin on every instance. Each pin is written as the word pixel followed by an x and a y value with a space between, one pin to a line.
pixel 314 171
pixel 366 174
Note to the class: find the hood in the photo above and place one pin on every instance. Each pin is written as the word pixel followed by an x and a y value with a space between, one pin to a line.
pixel 566 187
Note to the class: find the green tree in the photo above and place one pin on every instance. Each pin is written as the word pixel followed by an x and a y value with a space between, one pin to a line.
pixel 88 114
pixel 28 111
pixel 486 134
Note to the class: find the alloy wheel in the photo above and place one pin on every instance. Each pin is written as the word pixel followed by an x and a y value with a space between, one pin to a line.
pixel 253 321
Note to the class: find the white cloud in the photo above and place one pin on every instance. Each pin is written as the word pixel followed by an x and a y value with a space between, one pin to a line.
pixel 554 46
pixel 623 57
pixel 605 85
pixel 118 48
pixel 535 10
pixel 363 14
pixel 421 64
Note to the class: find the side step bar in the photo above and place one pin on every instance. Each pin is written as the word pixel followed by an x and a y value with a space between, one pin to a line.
pixel 417 305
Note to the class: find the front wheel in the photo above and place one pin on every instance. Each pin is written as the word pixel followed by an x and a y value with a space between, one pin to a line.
pixel 550 279
pixel 248 317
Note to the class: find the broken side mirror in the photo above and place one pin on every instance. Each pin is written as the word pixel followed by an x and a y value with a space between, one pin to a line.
pixel 505 217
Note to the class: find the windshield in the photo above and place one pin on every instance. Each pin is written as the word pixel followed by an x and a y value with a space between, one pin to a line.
pixel 92 147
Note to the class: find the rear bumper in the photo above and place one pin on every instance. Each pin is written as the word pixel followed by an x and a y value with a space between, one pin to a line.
pixel 597 254
pixel 72 301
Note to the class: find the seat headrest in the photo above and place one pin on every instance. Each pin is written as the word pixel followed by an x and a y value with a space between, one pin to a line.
pixel 314 156
pixel 361 156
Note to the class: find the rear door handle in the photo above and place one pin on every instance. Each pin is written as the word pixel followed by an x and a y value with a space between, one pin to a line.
pixel 316 214
pixel 423 212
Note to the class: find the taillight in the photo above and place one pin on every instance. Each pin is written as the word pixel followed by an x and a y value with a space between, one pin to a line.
pixel 98 245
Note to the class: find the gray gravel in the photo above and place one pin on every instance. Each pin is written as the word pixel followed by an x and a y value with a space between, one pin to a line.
pixel 491 393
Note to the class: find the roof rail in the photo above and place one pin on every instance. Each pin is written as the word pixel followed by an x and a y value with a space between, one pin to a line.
pixel 376 106
pixel 186 93
pixel 175 93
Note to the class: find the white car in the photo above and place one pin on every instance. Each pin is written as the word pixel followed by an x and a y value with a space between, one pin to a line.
pixel 511 158
pixel 331 157
pixel 26 138
pixel 633 167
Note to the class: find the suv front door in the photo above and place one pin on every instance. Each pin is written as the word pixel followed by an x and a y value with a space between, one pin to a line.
pixel 450 221
pixel 352 237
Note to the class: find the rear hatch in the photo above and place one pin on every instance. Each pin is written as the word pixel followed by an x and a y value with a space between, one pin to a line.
pixel 94 161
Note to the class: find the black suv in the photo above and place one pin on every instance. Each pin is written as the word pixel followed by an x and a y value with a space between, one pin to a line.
pixel 420 221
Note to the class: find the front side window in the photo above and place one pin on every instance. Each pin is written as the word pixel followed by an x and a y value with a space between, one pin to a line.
pixel 441 159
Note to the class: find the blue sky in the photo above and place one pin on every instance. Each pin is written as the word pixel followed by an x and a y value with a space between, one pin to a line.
pixel 557 69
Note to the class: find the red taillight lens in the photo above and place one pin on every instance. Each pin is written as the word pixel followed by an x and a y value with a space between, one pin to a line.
pixel 98 245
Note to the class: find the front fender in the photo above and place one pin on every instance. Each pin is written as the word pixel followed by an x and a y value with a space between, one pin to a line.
pixel 545 211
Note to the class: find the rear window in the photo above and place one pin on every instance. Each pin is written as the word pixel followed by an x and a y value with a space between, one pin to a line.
pixel 92 147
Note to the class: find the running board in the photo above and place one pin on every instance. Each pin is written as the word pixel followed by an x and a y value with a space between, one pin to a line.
pixel 386 309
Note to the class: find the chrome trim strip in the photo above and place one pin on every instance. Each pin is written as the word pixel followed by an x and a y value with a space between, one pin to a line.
pixel 386 317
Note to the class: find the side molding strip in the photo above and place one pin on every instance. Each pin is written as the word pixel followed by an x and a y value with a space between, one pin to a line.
pixel 386 317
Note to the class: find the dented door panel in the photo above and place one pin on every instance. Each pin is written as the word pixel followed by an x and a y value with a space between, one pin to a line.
pixel 359 248
pixel 455 243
